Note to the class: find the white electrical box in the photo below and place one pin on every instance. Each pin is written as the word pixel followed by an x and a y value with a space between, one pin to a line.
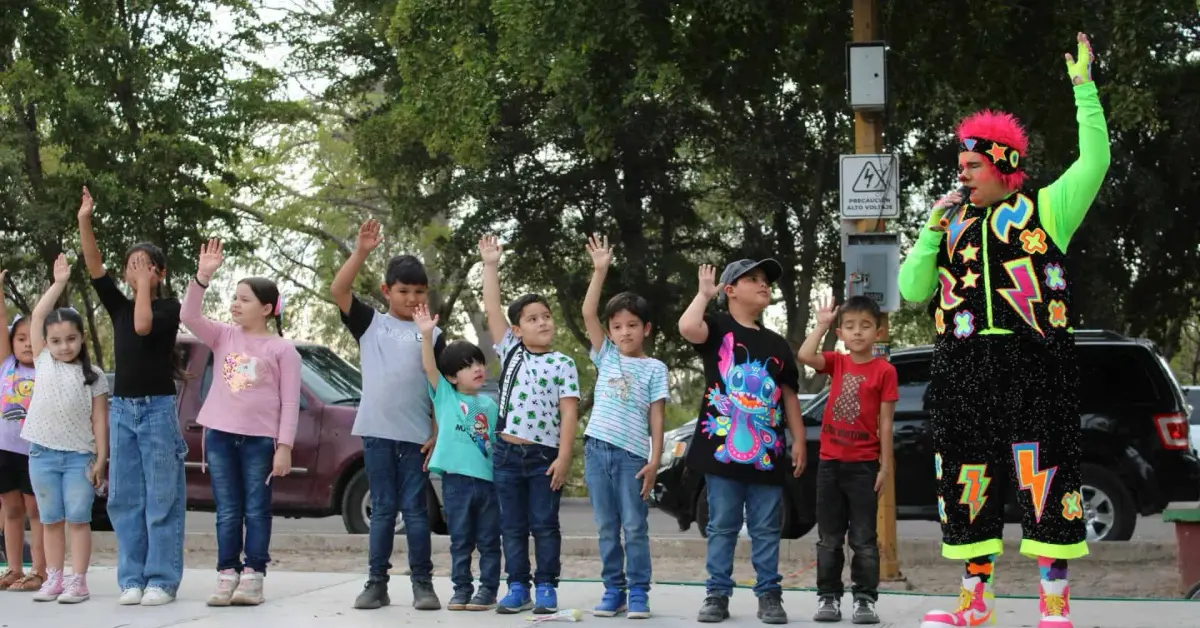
pixel 866 75
pixel 873 268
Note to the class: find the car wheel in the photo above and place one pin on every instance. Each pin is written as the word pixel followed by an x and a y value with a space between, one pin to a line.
pixel 1108 509
pixel 437 522
pixel 356 504
pixel 1194 594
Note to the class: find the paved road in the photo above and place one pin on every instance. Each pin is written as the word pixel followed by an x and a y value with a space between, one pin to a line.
pixel 576 518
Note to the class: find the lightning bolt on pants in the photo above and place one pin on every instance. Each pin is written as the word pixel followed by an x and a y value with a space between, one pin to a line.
pixel 1023 439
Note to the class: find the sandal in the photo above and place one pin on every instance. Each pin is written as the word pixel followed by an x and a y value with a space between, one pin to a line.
pixel 8 578
pixel 29 582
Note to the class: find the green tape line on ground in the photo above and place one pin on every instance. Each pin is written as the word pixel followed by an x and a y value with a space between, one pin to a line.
pixel 911 593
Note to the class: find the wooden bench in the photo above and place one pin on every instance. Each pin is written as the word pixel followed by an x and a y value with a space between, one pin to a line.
pixel 1187 542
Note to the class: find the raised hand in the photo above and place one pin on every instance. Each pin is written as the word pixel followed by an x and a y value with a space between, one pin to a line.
pixel 212 255
pixel 1080 68
pixel 425 323
pixel 826 311
pixel 708 281
pixel 3 277
pixel 369 236
pixel 86 204
pixel 490 249
pixel 600 251
pixel 62 270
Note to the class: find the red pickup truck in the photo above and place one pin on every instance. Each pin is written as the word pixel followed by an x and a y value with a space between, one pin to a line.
pixel 327 463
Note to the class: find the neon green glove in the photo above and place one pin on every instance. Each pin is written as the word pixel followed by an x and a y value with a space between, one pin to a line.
pixel 1080 70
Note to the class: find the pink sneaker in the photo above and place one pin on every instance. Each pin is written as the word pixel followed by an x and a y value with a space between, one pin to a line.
pixel 76 590
pixel 51 588
pixel 975 605
pixel 1055 604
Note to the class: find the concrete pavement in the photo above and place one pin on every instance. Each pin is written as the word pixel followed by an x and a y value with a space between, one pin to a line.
pixel 316 600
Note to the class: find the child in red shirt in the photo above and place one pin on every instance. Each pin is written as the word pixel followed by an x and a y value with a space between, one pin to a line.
pixel 856 454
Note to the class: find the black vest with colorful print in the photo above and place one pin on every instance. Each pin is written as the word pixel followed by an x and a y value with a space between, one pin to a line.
pixel 1000 273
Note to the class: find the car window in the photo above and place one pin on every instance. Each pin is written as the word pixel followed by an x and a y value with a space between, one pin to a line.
pixel 1193 399
pixel 912 377
pixel 1119 374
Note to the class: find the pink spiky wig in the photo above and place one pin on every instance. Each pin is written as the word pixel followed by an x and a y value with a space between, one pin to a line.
pixel 1000 138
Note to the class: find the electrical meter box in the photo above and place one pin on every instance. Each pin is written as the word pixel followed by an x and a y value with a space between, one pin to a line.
pixel 873 268
pixel 866 75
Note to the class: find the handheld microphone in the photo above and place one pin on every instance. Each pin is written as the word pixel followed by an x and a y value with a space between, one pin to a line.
pixel 944 221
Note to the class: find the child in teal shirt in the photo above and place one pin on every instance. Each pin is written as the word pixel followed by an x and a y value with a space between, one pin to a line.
pixel 462 455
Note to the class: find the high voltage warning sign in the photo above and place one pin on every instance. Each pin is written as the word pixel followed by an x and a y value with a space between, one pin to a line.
pixel 870 186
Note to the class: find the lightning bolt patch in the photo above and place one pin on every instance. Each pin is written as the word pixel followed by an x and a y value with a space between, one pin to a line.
pixel 957 228
pixel 1025 459
pixel 974 480
pixel 1013 214
pixel 1026 291
pixel 949 300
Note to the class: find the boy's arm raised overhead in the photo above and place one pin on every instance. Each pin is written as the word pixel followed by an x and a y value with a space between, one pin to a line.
pixel 601 260
pixel 691 325
pixel 490 251
pixel 810 352
pixel 427 326
pixel 342 288
pixel 87 237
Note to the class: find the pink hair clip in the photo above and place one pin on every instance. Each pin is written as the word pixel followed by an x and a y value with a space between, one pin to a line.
pixel 279 305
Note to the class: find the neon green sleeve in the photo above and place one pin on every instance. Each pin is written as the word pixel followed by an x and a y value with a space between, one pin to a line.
pixel 1064 203
pixel 918 273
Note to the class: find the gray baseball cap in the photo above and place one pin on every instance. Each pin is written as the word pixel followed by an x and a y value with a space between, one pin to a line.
pixel 735 270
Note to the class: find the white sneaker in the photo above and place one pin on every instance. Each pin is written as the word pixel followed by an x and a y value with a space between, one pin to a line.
pixel 227 581
pixel 249 589
pixel 155 596
pixel 130 597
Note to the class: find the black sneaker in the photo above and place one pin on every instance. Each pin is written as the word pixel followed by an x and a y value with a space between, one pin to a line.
pixel 424 597
pixel 374 595
pixel 828 609
pixel 864 613
pixel 484 600
pixel 460 599
pixel 714 610
pixel 770 608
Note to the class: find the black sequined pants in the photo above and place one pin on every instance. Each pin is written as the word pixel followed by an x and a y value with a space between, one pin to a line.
pixel 1004 416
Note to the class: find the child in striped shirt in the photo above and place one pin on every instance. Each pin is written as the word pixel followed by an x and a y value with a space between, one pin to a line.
pixel 623 440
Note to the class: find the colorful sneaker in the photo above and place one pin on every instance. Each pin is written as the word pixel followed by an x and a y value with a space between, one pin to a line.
pixel 227 581
pixel 975 605
pixel 130 597
pixel 639 604
pixel 75 591
pixel 157 596
pixel 1055 604
pixel 249 589
pixel 516 601
pixel 546 600
pixel 611 603
pixel 51 588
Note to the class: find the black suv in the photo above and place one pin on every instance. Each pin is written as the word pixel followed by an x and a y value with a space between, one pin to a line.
pixel 1136 454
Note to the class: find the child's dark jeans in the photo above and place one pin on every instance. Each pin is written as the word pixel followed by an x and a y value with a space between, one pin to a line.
pixel 528 506
pixel 473 517
pixel 847 502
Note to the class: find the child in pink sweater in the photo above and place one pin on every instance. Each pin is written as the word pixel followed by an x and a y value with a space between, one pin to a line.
pixel 249 417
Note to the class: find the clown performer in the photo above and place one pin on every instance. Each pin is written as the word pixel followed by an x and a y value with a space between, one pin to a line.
pixel 1003 398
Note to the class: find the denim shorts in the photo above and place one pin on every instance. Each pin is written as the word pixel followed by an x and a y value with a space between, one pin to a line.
pixel 61 485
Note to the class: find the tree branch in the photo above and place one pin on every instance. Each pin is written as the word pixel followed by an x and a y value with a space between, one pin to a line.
pixel 315 232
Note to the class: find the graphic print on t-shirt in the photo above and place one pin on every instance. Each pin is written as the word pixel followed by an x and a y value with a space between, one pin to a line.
pixel 847 407
pixel 18 390
pixel 748 410
pixel 620 387
pixel 240 371
pixel 479 430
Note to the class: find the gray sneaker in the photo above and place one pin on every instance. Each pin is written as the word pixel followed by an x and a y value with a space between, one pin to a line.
pixel 829 609
pixel 864 613
pixel 458 601
pixel 770 608
pixel 374 595
pixel 484 600
pixel 424 597
pixel 714 610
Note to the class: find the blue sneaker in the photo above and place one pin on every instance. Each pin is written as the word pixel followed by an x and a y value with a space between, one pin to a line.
pixel 547 600
pixel 516 601
pixel 639 604
pixel 612 603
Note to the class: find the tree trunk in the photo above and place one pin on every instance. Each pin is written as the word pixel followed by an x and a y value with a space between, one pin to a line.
pixel 89 313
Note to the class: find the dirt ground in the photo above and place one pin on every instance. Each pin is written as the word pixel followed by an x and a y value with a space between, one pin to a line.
pixel 1014 575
